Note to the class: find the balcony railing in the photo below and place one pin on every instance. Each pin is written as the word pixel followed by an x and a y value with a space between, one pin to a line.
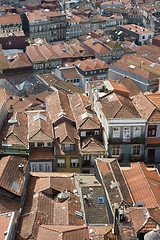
pixel 138 140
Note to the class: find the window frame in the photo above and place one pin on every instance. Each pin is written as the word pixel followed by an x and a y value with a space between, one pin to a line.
pixel 129 131
pixel 115 148
pixel 134 148
pixel 151 128
pixel 134 131
pixel 63 164
pixel 117 131
pixel 82 134
pixel 76 164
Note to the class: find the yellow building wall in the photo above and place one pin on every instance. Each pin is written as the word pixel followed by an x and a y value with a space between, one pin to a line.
pixel 68 167
pixel 143 66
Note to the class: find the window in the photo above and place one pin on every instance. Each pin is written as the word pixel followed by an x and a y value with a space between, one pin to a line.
pixel 47 168
pixel 61 162
pixel 152 130
pixel 136 131
pixel 116 132
pixel 100 200
pixel 83 134
pixel 40 167
pixel 126 132
pixel 136 150
pixel 40 144
pixel 96 132
pixel 33 168
pixel 116 150
pixel 74 162
pixel 67 146
pixel 86 157
pixel 32 144
pixel 49 144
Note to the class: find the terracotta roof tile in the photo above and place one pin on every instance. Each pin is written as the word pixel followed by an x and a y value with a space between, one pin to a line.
pixel 131 86
pixel 139 186
pixel 97 46
pixel 11 178
pixel 17 131
pixel 119 88
pixel 21 60
pixel 58 106
pixel 39 124
pixel 154 97
pixel 2 97
pixel 70 73
pixel 5 220
pixel 62 86
pixel 7 205
pixel 116 104
pixel 41 96
pixel 41 154
pixel 77 50
pixel 66 130
pixel 114 181
pixel 85 118
pixel 143 105
pixel 14 18
pixel 65 212
pixel 91 64
pixel 93 146
pixel 42 207
pixel 143 218
pixel 60 232
pixel 137 71
pixel 153 179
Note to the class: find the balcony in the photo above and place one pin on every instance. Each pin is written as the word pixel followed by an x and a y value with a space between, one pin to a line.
pixel 137 140
pixel 139 158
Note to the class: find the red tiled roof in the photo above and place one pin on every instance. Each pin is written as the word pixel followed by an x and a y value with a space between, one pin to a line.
pixel 118 106
pixel 14 18
pixel 4 223
pixel 97 46
pixel 111 173
pixel 17 131
pixel 143 105
pixel 91 64
pixel 66 130
pixel 93 146
pixel 58 106
pixel 62 232
pixel 39 124
pixel 85 119
pixel 11 178
pixel 41 154
pixel 153 179
pixel 2 97
pixel 154 97
pixel 139 186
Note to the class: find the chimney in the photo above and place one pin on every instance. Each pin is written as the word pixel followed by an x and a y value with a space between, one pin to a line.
pixel 141 64
pixel 115 217
pixel 21 166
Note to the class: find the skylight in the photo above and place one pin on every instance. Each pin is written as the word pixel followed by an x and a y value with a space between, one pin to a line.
pixel 132 66
pixel 100 200
pixel 152 65
pixel 40 116
pixel 15 186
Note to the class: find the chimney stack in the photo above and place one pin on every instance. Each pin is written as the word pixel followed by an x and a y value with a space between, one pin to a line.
pixel 21 166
